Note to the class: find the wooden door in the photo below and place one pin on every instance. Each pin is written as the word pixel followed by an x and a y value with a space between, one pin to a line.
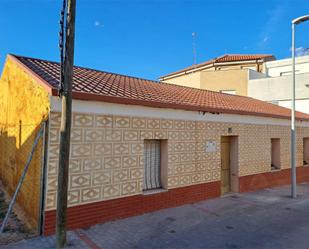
pixel 225 165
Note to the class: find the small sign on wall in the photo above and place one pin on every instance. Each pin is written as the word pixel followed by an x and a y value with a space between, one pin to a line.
pixel 210 146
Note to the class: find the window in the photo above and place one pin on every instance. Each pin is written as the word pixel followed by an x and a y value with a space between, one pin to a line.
pixel 306 151
pixel 155 160
pixel 228 91
pixel 275 154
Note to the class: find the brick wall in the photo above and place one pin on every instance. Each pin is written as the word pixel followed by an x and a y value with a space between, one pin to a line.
pixel 83 216
pixel 271 179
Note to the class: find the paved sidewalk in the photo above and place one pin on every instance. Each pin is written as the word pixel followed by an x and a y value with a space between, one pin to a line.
pixel 262 219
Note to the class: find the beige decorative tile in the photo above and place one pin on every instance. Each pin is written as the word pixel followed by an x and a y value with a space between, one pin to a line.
pixel 91 194
pixel 94 135
pixel 81 150
pixel 196 178
pixel 153 124
pixel 184 180
pixel 136 173
pixel 82 120
pixel 179 169
pixel 104 121
pixel 173 158
pixel 102 149
pixel 173 135
pixel 81 180
pixel 122 122
pixel 173 181
pixel 74 197
pixel 107 153
pixel 137 148
pixel 52 183
pixel 110 191
pixel 121 148
pixel 75 166
pixel 179 147
pixel 54 151
pixel 113 135
pixel 167 124
pixel 112 162
pixel 185 157
pixel 190 125
pixel 184 135
pixel 55 119
pixel 52 167
pixel 179 124
pixel 120 175
pixel 130 161
pixel 76 135
pixel 92 164
pixel 54 135
pixel 129 188
pixel 160 135
pixel 51 199
pixel 138 123
pixel 130 135
pixel 102 177
pixel 146 134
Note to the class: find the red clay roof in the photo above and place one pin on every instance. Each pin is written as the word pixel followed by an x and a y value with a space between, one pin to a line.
pixel 225 58
pixel 90 84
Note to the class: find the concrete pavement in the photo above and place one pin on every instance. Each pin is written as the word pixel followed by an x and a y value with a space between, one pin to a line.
pixel 262 219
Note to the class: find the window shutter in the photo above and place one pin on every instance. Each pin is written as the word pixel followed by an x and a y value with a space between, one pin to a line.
pixel 152 166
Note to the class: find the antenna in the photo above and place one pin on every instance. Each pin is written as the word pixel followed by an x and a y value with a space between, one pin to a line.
pixel 194 47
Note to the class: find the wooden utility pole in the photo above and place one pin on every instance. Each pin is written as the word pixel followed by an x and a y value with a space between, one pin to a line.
pixel 65 130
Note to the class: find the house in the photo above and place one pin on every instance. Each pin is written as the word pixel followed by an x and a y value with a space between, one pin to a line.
pixel 228 73
pixel 138 145
pixel 275 83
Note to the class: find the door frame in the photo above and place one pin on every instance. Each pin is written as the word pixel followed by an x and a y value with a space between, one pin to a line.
pixel 234 163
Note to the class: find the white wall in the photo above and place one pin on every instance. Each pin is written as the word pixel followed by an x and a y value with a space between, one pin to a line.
pixel 278 89
pixel 301 105
pixel 95 107
pixel 284 67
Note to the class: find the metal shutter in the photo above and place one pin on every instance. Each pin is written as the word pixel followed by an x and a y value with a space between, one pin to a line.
pixel 152 166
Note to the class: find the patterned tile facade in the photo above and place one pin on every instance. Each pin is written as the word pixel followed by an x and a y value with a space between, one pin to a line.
pixel 107 153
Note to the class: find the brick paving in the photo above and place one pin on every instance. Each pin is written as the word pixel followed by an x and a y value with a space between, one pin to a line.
pixel 262 219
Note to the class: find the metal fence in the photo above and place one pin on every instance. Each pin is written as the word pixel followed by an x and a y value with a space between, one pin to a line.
pixel 16 143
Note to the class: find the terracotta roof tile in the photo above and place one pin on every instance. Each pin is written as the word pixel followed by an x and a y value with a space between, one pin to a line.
pixel 90 84
pixel 224 58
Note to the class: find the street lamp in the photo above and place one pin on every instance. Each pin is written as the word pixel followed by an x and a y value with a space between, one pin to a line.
pixel 293 135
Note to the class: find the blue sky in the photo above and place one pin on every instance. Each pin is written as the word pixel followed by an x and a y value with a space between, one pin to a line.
pixel 151 38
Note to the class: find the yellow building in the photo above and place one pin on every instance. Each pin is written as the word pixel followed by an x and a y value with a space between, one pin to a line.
pixel 227 73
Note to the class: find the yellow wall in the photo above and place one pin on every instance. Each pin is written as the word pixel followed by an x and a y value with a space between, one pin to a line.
pixel 226 80
pixel 218 77
pixel 190 80
pixel 23 104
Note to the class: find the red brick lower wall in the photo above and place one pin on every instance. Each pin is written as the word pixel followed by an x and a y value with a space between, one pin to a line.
pixel 89 214
pixel 271 179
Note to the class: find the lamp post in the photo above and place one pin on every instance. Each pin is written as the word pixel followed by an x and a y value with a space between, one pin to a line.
pixel 293 134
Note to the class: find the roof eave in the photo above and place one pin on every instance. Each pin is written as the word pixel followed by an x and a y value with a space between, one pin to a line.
pixel 155 104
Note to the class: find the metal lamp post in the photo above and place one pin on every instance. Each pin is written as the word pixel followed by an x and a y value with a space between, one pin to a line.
pixel 293 134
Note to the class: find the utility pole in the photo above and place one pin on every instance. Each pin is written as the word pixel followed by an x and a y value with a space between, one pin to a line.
pixel 65 130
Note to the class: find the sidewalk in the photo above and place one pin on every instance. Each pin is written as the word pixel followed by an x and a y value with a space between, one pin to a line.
pixel 262 219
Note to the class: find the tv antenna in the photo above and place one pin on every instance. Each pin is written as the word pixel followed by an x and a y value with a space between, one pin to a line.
pixel 194 47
